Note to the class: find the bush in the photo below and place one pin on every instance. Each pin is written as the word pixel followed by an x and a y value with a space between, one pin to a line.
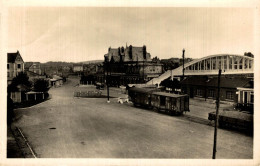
pixel 20 79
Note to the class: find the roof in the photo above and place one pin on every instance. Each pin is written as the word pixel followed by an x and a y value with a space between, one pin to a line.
pixel 32 92
pixel 30 73
pixel 27 65
pixel 22 88
pixel 143 90
pixel 137 54
pixel 250 84
pixel 11 57
pixel 57 77
pixel 225 82
pixel 168 94
pixel 115 58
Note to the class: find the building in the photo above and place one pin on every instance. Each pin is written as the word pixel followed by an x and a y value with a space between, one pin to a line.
pixel 201 78
pixel 129 65
pixel 246 96
pixel 34 67
pixel 19 95
pixel 56 81
pixel 34 76
pixel 206 87
pixel 77 68
pixel 15 65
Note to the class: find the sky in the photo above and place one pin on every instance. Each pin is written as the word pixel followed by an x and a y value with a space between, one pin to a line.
pixel 75 34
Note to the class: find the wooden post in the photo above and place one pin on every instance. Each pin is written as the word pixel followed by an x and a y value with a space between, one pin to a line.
pixel 183 52
pixel 26 97
pixel 216 118
pixel 108 79
pixel 34 96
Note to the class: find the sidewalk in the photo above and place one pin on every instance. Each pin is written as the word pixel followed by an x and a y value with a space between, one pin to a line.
pixel 13 150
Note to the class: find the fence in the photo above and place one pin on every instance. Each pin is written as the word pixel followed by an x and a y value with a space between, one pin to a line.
pixel 88 94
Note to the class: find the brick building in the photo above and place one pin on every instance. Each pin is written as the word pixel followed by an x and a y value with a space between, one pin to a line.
pixel 129 65
pixel 206 87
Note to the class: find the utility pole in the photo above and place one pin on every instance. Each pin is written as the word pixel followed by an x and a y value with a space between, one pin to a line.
pixel 216 118
pixel 107 66
pixel 143 70
pixel 183 52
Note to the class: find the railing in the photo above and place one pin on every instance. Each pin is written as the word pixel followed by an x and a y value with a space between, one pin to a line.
pixel 87 94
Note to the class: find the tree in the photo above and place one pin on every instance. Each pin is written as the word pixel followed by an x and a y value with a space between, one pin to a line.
pixel 41 85
pixel 20 79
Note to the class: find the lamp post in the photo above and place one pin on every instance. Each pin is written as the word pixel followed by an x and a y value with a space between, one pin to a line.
pixel 183 52
pixel 107 81
pixel 216 118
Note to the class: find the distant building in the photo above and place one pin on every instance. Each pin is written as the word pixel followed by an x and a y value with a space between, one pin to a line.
pixel 78 68
pixel 34 67
pixel 34 76
pixel 56 81
pixel 66 68
pixel 15 65
pixel 129 65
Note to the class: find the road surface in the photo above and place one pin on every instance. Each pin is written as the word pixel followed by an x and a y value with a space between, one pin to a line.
pixel 65 126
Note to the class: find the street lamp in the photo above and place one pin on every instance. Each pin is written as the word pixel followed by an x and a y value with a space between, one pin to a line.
pixel 216 117
pixel 183 52
pixel 107 81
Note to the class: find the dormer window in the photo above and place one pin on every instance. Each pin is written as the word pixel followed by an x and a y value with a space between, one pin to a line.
pixel 19 66
pixel 7 66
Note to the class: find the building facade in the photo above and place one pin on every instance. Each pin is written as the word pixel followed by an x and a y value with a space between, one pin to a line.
pixel 34 67
pixel 206 87
pixel 15 65
pixel 129 65
pixel 78 68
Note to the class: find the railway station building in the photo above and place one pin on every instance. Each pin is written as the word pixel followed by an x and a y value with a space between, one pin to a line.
pixel 201 78
pixel 129 65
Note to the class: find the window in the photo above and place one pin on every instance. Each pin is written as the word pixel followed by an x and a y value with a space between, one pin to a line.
pixel 19 66
pixel 225 62
pixel 241 63
pixel 202 65
pixel 250 64
pixel 214 64
pixel 230 58
pixel 199 92
pixel 211 93
pixel 219 63
pixel 196 66
pixel 7 66
pixel 208 64
pixel 8 74
pixel 245 64
pixel 236 63
pixel 229 95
